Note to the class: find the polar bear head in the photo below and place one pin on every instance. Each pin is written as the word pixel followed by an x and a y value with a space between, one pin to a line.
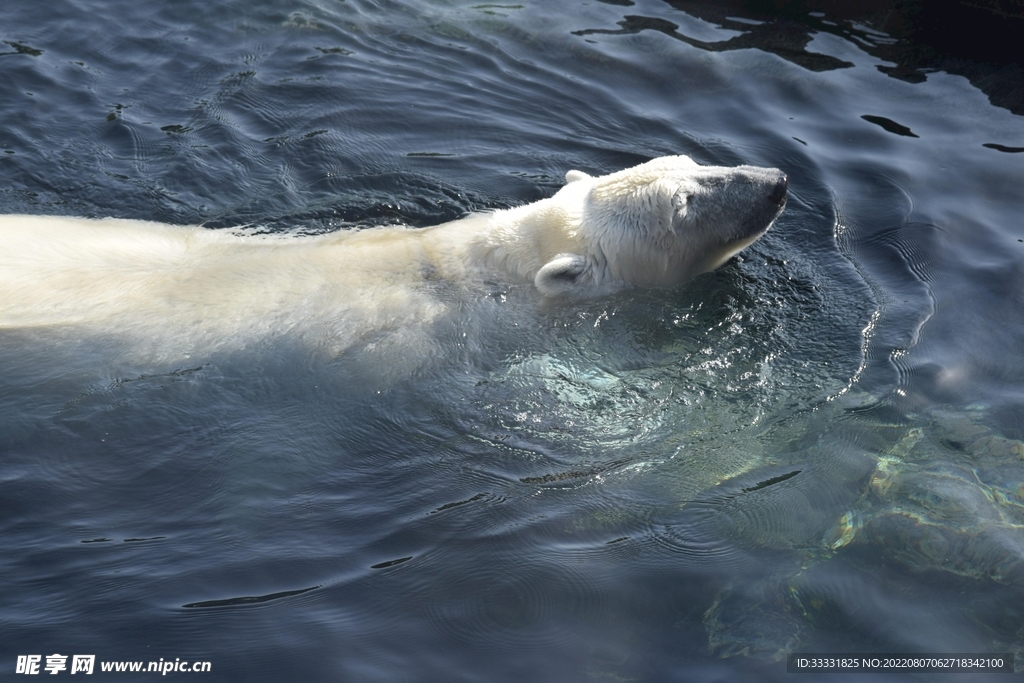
pixel 657 224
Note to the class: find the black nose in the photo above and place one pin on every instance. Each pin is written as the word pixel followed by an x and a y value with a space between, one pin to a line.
pixel 779 191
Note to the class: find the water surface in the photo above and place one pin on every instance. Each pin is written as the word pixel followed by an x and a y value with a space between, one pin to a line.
pixel 815 448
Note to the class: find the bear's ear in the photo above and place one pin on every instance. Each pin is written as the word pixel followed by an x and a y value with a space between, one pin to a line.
pixel 563 275
pixel 573 176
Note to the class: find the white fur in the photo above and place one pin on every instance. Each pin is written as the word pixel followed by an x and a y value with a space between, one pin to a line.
pixel 656 224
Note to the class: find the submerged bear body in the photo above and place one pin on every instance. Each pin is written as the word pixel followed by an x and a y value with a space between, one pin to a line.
pixel 653 225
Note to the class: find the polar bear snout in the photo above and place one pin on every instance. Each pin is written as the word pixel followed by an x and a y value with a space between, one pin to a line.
pixel 773 185
pixel 780 191
pixel 734 204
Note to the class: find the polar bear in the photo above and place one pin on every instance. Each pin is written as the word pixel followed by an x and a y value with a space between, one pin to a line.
pixel 653 225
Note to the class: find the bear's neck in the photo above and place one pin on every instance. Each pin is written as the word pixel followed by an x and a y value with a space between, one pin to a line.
pixel 516 242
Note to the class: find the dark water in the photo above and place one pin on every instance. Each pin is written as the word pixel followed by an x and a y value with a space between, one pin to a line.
pixel 816 448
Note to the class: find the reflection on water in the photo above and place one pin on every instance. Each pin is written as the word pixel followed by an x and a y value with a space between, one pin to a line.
pixel 975 40
pixel 815 448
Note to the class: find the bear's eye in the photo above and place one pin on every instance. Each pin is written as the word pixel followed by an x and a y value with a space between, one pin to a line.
pixel 681 201
pixel 681 207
